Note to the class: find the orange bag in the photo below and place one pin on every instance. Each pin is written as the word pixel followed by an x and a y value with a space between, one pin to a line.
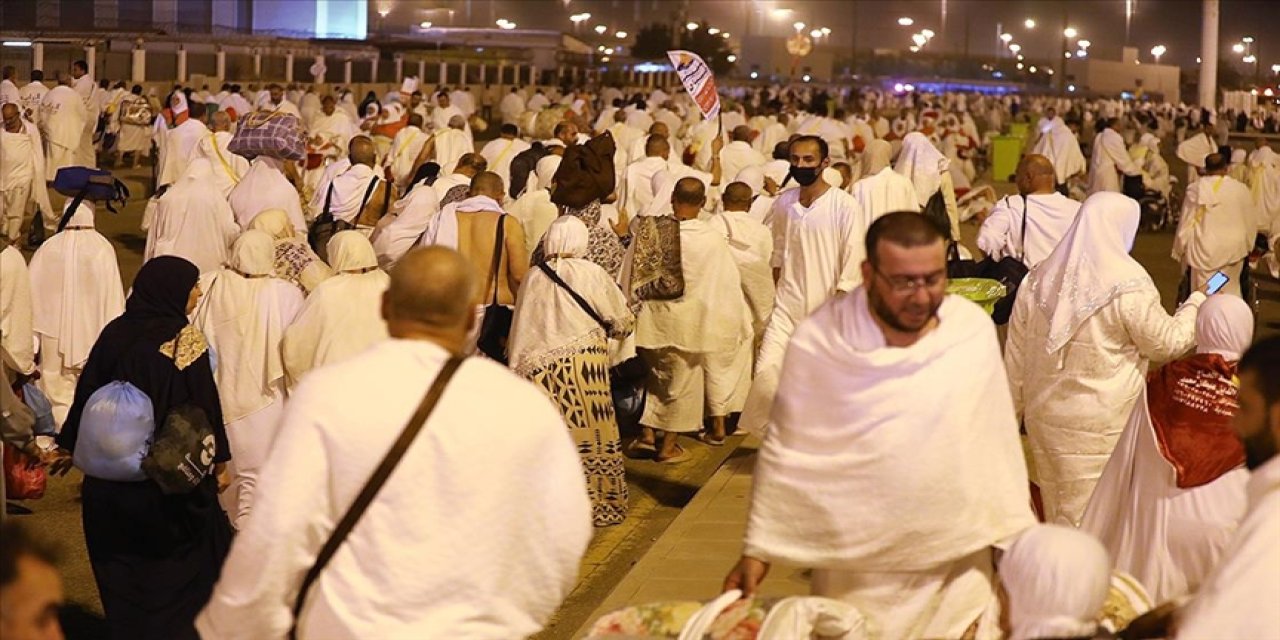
pixel 24 478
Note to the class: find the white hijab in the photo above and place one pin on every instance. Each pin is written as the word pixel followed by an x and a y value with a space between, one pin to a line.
pixel 923 163
pixel 243 314
pixel 1224 326
pixel 343 315
pixel 75 279
pixel 1057 579
pixel 547 318
pixel 193 220
pixel 875 157
pixel 1090 267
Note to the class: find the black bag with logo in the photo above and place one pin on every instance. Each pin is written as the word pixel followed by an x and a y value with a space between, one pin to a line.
pixel 182 451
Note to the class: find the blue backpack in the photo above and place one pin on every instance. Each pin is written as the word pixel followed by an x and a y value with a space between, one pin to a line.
pixel 116 430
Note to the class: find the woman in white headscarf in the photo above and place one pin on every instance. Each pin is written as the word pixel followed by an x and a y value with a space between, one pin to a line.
pixel 77 290
pixel 1174 490
pixel 1155 171
pixel 343 315
pixel 294 259
pixel 193 220
pixel 930 173
pixel 558 345
pixel 1054 580
pixel 1087 321
pixel 243 315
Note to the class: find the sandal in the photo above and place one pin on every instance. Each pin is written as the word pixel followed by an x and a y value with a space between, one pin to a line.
pixel 706 438
pixel 638 449
pixel 682 456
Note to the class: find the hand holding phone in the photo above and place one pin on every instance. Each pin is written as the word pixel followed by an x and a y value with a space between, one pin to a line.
pixel 1216 282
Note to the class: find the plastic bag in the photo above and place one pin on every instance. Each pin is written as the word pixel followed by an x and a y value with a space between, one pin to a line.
pixel 24 478
pixel 39 404
pixel 115 433
pixel 983 291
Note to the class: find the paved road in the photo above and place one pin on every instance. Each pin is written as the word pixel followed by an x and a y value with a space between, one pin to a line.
pixel 657 493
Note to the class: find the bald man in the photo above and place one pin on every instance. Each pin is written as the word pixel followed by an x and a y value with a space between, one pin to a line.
pixel 359 196
pixel 637 180
pixel 1048 215
pixel 698 345
pixel 525 533
pixel 739 154
pixel 448 145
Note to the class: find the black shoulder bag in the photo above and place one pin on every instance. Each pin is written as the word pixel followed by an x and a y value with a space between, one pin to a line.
pixel 374 484
pixel 326 226
pixel 1009 271
pixel 625 379
pixel 496 325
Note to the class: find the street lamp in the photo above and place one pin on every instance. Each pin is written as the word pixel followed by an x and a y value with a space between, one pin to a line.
pixel 1070 32
pixel 1247 39
pixel 712 31
pixel 919 39
pixel 1158 51
pixel 424 25
pixel 826 31
pixel 927 33
pixel 731 58
pixel 799 26
pixel 692 26
pixel 1083 44
pixel 815 34
pixel 622 35
pixel 1015 47
pixel 1029 23
pixel 579 17
pixel 1237 47
pixel 1275 68
pixel 1006 37
pixel 905 21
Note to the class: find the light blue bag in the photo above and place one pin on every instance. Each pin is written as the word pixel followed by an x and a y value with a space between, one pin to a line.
pixel 116 429
pixel 39 404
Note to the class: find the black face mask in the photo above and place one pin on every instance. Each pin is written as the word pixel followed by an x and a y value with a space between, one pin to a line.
pixel 805 175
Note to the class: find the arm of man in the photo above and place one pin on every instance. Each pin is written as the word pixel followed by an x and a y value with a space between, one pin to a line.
pixel 260 580
pixel 517 253
pixel 993 236
pixel 1159 336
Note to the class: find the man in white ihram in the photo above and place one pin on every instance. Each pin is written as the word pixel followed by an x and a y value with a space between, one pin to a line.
pixel 1110 160
pixel 1046 214
pixel 21 173
pixel 1217 227
pixel 893 502
pixel 62 122
pixel 477 533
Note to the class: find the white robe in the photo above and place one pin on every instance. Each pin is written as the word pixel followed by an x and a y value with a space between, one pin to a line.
pixel 228 168
pixel 637 184
pixel 265 187
pixel 751 244
pixel 22 176
pixel 193 221
pixel 405 148
pixel 407 220
pixel 819 250
pixel 850 444
pixel 738 155
pixel 1051 217
pixel 524 533
pixel 78 278
pixel 1238 598
pixel 349 189
pixel 885 192
pixel 1216 230
pixel 451 145
pixel 62 117
pixel 30 96
pixel 87 89
pixel 536 212
pixel 1110 159
pixel 1060 146
pixel 511 107
pixel 180 141
pixel 17 329
pixel 499 153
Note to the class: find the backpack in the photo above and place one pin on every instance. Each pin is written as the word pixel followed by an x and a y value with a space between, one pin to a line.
pixel 137 112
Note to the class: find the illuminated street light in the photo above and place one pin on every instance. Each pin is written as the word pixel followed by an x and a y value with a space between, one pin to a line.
pixel 826 31
pixel 692 26
pixel 731 58
pixel 1275 68
pixel 1029 23
pixel 1158 51
pixel 906 22
pixel 1070 32
pixel 1032 68
pixel 1247 39
pixel 425 25
pixel 1237 47
pixel 604 58
pixel 1249 59
pixel 1079 54
pixel 622 35
pixel 799 26
pixel 724 34
pixel 927 33
pixel 609 51
pixel 755 74
pixel 815 34
pixel 1067 54
pixel 579 17
pixel 914 49
pixel 806 77
pixel 1084 44
pixel 1006 37
pixel 919 39
pixel 713 31
pixel 1019 65
pixel 508 26
pixel 1021 57
pixel 1015 47
pixel 1049 71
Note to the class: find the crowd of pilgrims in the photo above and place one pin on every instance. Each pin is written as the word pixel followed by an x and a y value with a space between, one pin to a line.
pixel 908 445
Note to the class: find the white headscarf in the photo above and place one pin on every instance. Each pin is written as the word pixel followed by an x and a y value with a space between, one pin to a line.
pixel 351 252
pixel 1224 326
pixel 243 315
pixel 546 170
pixel 875 157
pixel 923 163
pixel 1057 580
pixel 193 220
pixel 179 103
pixel 1090 267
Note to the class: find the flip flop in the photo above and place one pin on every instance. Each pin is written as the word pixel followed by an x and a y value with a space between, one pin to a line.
pixel 676 459
pixel 638 449
pixel 705 438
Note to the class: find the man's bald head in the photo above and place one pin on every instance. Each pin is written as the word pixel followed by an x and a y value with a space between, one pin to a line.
pixel 619 116
pixel 415 120
pixel 487 183
pixel 362 151
pixel 687 198
pixel 457 122
pixel 742 133
pixel 1035 175
pixel 471 164
pixel 657 147
pixel 431 289
pixel 221 121
pixel 659 129
pixel 737 197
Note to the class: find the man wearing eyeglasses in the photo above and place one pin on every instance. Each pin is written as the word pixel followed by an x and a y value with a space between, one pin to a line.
pixel 893 463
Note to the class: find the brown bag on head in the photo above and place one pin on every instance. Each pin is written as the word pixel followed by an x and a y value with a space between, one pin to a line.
pixel 586 173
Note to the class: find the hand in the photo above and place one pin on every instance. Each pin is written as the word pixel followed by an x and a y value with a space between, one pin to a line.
pixel 623 226
pixel 223 475
pixel 771 186
pixel 58 461
pixel 717 144
pixel 747 576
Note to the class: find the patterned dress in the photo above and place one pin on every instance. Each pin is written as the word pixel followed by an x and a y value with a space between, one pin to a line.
pixel 604 248
pixel 576 378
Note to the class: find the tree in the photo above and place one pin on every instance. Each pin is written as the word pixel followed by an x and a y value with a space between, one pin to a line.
pixel 653 41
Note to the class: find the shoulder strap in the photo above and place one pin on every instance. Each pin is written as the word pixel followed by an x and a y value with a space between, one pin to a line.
pixel 328 199
pixel 555 277
pixel 368 193
pixel 1026 210
pixel 375 482
pixel 497 252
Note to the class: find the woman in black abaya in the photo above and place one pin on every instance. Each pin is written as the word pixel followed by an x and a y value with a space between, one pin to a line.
pixel 155 557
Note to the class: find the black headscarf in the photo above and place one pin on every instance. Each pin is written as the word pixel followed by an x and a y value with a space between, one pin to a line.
pixel 161 289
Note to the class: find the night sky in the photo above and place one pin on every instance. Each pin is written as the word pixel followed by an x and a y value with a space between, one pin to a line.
pixel 1173 23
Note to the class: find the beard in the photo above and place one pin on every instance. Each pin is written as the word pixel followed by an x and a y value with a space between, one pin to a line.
pixel 1259 447
pixel 912 318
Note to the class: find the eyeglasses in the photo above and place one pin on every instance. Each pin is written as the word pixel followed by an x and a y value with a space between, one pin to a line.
pixel 909 284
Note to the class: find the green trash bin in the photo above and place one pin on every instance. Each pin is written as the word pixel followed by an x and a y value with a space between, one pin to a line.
pixel 1005 153
pixel 1019 129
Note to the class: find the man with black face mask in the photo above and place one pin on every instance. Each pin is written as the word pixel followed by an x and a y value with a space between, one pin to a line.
pixel 1238 600
pixel 818 235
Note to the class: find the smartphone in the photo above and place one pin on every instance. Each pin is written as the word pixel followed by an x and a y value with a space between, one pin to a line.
pixel 1216 282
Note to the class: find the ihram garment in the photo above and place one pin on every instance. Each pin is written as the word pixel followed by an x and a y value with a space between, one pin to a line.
pixel 193 221
pixel 503 475
pixel 1174 489
pixel 559 347
pixel 243 315
pixel 1047 217
pixel 155 556
pixel 22 175
pixel 408 219
pixel 265 187
pixel 1216 230
pixel 848 446
pixel 78 291
pixel 1086 323
pixel 342 316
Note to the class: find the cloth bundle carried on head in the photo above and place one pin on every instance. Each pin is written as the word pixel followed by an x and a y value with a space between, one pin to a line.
pixel 586 173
